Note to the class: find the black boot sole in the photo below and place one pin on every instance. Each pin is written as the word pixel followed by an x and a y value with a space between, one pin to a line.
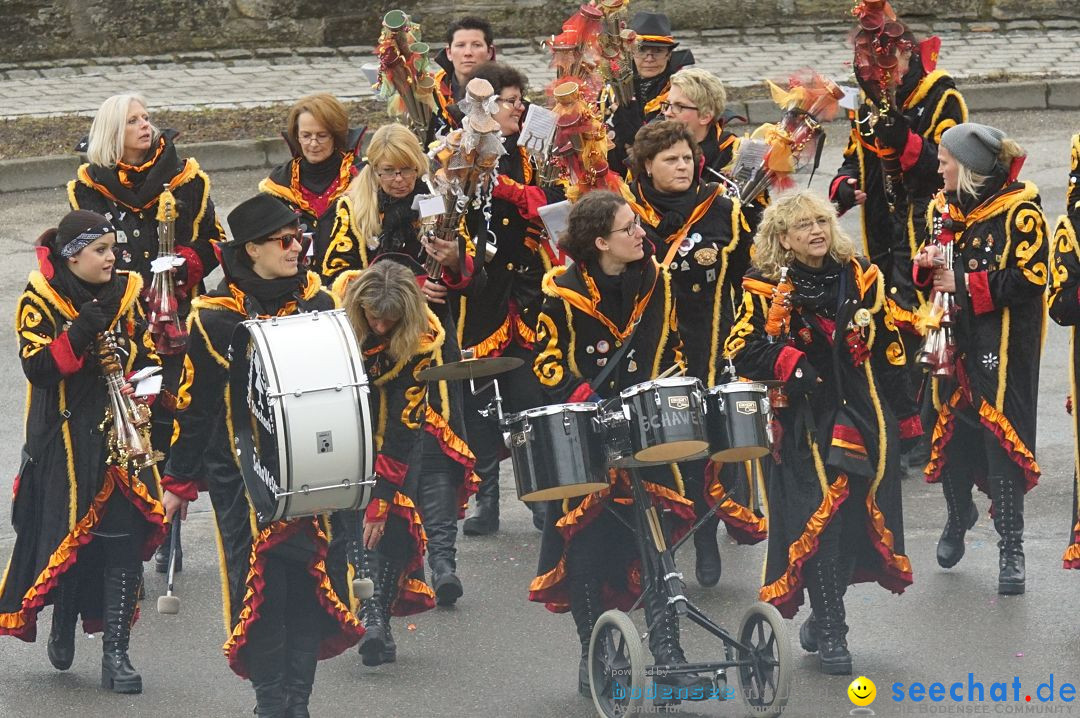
pixel 707 570
pixel 807 639
pixel 1010 587
pixel 61 662
pixel 121 685
pixel 373 648
pixel 475 527
pixel 836 667
pixel 163 566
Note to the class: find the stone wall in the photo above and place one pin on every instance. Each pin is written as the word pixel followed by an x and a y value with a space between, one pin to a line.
pixel 52 29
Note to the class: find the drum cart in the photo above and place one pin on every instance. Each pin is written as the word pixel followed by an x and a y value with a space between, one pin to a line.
pixel 760 652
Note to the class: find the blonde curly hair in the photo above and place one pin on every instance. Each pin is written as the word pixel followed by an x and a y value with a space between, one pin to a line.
pixel 783 213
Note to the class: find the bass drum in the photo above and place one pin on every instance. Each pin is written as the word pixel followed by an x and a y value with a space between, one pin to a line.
pixel 667 419
pixel 556 452
pixel 300 415
pixel 737 418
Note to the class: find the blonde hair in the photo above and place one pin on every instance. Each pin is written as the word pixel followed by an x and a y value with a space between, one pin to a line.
pixel 702 88
pixel 389 291
pixel 392 144
pixel 105 146
pixel 971 183
pixel 783 213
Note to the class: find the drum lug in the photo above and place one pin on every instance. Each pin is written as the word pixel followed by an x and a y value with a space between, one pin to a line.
pixel 566 423
pixel 656 397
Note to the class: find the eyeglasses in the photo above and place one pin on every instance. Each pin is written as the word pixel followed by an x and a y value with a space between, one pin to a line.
pixel 630 228
pixel 286 240
pixel 651 51
pixel 319 138
pixel 808 224
pixel 677 107
pixel 405 173
pixel 512 102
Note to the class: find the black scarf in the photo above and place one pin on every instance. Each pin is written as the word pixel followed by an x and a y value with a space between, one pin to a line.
pixel 264 296
pixel 816 289
pixel 78 292
pixel 146 183
pixel 911 78
pixel 674 209
pixel 398 232
pixel 618 292
pixel 316 177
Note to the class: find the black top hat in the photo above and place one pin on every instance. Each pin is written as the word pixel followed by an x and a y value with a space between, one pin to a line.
pixel 653 29
pixel 259 217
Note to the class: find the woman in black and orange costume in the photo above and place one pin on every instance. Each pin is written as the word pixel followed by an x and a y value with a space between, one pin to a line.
pixel 376 219
pixel 283 611
pixel 129 162
pixel 399 338
pixel 702 237
pixel 326 158
pixel 588 562
pixel 83 523
pixel 835 514
pixel 1065 310
pixel 986 408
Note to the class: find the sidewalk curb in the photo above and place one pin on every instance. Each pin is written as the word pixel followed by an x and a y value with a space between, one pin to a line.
pixel 37 173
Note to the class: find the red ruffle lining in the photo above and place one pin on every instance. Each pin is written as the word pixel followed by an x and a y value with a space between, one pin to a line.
pixel 743 525
pixel 351 630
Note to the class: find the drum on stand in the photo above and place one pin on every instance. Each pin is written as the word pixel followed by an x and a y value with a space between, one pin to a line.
pixel 736 418
pixel 613 425
pixel 556 452
pixel 666 419
pixel 301 416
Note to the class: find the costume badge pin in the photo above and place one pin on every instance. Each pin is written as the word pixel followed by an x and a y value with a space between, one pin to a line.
pixel 602 346
pixel 706 256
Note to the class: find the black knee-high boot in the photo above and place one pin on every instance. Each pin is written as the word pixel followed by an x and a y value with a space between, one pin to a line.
pixel 298 681
pixel 823 583
pixel 708 565
pixel 665 646
pixel 121 596
pixel 266 670
pixel 485 519
pixel 962 515
pixel 439 507
pixel 585 606
pixel 377 646
pixel 61 647
pixel 1009 522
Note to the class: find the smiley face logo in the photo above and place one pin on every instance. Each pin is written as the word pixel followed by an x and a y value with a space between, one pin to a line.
pixel 862 691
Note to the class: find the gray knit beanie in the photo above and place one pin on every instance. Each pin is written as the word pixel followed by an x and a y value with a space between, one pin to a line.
pixel 974 146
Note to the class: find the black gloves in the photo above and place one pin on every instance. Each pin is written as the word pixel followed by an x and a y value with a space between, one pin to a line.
pixel 91 321
pixel 844 194
pixel 803 380
pixel 892 130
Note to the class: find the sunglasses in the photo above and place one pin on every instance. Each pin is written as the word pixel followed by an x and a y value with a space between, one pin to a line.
pixel 286 240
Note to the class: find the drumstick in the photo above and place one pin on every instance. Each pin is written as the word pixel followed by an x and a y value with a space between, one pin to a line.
pixel 671 370
pixel 169 604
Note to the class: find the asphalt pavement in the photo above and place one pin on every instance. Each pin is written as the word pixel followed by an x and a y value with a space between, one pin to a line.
pixel 496 654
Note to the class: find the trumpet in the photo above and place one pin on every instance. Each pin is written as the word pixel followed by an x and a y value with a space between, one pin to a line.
pixel 938 352
pixel 129 435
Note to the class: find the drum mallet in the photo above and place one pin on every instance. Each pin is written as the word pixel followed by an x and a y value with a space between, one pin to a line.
pixel 169 604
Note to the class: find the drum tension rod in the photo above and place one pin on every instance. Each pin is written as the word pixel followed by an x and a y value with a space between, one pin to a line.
pixel 305 490
pixel 331 387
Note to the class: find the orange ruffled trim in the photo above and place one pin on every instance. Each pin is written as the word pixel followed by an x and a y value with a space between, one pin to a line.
pixel 905 319
pixel 351 631
pixel 786 592
pixel 413 596
pixel 897 567
pixel 526 335
pixel 551 588
pixel 744 525
pixel 456 449
pixel 23 623
pixel 496 343
pixel 999 424
pixel 1071 559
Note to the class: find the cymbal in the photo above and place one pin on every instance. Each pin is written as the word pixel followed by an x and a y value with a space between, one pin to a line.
pixel 470 368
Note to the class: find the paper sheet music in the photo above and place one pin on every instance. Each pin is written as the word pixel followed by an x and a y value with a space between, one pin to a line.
pixel 538 130
pixel 555 217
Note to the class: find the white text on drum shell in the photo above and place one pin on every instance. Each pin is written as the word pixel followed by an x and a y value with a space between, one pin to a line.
pixel 670 418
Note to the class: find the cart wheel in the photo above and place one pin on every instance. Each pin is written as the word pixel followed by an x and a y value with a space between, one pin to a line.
pixel 766 679
pixel 616 665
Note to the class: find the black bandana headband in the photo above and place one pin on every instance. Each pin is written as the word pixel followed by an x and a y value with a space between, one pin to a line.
pixel 84 238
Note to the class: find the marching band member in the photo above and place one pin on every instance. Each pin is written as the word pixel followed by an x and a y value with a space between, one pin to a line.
pixel 283 612
pixel 399 337
pixel 985 430
pixel 890 170
pixel 835 514
pixel 496 314
pixel 704 240
pixel 129 162
pixel 325 158
pixel 697 99
pixel 1065 310
pixel 379 209
pixel 655 61
pixel 83 523
pixel 588 561
pixel 470 43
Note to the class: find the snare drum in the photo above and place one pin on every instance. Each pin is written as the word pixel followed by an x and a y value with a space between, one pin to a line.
pixel 615 441
pixel 300 413
pixel 556 452
pixel 737 417
pixel 666 419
